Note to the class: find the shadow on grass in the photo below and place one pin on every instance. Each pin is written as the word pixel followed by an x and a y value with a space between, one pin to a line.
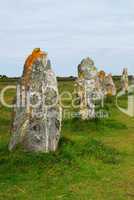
pixel 100 151
pixel 90 149
pixel 78 126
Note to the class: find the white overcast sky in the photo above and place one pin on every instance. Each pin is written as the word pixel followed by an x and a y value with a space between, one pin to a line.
pixel 68 30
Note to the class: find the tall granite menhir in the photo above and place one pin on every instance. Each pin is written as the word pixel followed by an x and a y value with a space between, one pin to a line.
pixel 37 114
pixel 124 80
pixel 86 83
pixel 92 87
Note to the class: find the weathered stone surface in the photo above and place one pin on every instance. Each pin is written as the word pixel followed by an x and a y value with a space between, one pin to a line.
pixel 100 83
pixel 110 86
pixel 87 74
pixel 124 80
pixel 92 86
pixel 37 116
pixel 105 84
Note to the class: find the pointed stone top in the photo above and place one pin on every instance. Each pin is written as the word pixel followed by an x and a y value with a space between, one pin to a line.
pixel 86 69
pixel 87 61
pixel 125 70
pixel 36 54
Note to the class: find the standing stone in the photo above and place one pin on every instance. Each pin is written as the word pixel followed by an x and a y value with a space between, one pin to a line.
pixel 37 114
pixel 101 83
pixel 110 86
pixel 87 74
pixel 124 80
pixel 105 84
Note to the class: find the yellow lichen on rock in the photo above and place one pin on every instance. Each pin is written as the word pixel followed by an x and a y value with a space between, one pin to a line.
pixel 101 75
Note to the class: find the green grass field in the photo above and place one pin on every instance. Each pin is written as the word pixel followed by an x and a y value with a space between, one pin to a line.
pixel 95 160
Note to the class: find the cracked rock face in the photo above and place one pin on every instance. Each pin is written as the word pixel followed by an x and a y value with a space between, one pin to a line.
pixel 37 114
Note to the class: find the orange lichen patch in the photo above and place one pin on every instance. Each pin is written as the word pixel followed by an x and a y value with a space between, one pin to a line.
pixel 101 75
pixel 37 53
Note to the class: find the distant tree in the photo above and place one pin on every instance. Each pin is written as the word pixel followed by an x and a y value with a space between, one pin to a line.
pixel 4 77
